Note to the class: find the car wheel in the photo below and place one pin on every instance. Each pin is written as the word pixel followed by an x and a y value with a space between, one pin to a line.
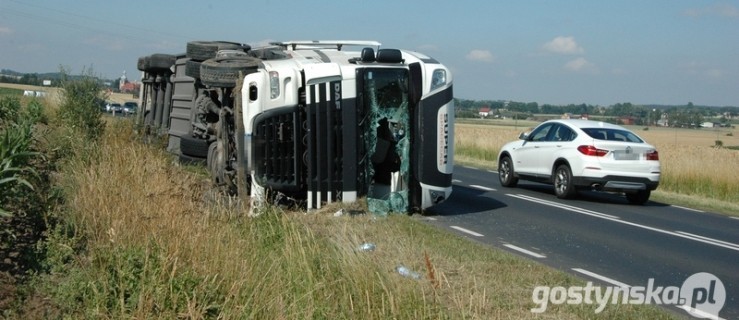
pixel 506 174
pixel 640 197
pixel 563 187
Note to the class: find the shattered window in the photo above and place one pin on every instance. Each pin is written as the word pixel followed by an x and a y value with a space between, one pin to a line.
pixel 387 141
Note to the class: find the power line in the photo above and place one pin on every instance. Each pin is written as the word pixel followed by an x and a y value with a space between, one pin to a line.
pixel 144 35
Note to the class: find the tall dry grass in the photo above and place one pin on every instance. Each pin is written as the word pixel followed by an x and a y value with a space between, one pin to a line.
pixel 691 164
pixel 152 241
pixel 475 142
pixel 160 244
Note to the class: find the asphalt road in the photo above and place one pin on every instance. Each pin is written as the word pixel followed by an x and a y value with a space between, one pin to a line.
pixel 601 238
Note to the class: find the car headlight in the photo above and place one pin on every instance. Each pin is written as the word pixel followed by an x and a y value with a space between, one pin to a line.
pixel 438 79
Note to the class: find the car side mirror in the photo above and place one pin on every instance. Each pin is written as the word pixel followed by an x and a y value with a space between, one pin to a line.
pixel 523 136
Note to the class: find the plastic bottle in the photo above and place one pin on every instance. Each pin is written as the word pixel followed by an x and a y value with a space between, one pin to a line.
pixel 403 271
pixel 367 246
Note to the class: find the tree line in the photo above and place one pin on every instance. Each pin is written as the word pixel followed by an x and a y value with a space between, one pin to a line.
pixel 676 115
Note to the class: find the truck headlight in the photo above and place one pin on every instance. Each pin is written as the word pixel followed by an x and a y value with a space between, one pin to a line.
pixel 274 84
pixel 438 79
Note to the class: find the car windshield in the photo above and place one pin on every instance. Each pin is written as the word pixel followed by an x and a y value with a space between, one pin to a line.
pixel 612 134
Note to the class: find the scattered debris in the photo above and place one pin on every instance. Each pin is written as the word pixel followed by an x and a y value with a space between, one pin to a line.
pixel 404 271
pixel 367 246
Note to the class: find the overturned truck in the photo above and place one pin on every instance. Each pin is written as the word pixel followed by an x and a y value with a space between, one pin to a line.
pixel 312 121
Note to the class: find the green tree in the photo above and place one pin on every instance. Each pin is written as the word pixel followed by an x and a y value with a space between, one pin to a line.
pixel 79 108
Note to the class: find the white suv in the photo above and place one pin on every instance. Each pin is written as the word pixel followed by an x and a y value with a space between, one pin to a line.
pixel 580 154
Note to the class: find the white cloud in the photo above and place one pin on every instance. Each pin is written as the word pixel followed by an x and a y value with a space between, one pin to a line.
pixel 563 45
pixel 5 30
pixel 480 55
pixel 716 10
pixel 579 64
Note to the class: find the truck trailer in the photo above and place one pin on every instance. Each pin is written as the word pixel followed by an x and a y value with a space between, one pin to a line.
pixel 312 121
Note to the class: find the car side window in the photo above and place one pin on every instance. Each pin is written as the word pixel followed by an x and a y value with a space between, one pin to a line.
pixel 540 134
pixel 563 133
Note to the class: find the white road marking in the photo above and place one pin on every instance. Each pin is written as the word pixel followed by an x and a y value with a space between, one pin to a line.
pixel 718 243
pixel 468 231
pixel 482 187
pixel 602 278
pixel 715 241
pixel 684 208
pixel 468 167
pixel 522 250
pixel 456 180
pixel 564 206
pixel 431 218
pixel 699 313
pixel 735 218
pixel 493 171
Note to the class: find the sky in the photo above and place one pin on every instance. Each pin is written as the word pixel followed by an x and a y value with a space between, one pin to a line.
pixel 556 52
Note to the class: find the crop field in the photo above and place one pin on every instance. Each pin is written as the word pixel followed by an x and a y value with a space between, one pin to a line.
pixel 691 162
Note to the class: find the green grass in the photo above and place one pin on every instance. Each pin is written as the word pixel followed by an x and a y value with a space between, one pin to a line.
pixel 10 92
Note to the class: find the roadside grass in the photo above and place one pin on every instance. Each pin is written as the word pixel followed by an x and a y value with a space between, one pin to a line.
pixel 142 237
pixel 694 172
pixel 10 92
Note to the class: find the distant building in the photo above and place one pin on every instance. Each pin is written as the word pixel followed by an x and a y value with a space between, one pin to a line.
pixel 129 87
pixel 628 121
pixel 484 112
pixel 125 86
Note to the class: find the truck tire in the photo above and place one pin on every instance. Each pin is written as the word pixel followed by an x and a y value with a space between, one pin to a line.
pixel 161 62
pixel 204 50
pixel 194 147
pixel 185 159
pixel 224 73
pixel 143 63
pixel 192 69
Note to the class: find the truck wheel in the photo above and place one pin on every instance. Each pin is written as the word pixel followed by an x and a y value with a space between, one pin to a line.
pixel 204 50
pixel 143 63
pixel 192 69
pixel 194 147
pixel 185 159
pixel 161 62
pixel 224 73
